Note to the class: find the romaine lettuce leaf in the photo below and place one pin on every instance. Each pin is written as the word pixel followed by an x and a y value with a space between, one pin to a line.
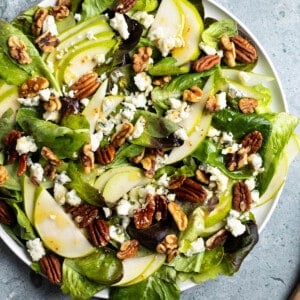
pixel 6 123
pixel 187 264
pixel 161 285
pixel 166 66
pixel 63 141
pixel 91 8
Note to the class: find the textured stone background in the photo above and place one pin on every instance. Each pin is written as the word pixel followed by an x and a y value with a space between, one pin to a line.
pixel 271 271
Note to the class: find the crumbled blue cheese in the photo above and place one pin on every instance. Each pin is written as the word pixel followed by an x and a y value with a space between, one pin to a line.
pixel 231 149
pixel 45 94
pixel 115 89
pixel 85 102
pixel 221 100
pixel 100 59
pixel 35 101
pixel 209 50
pixel 175 103
pixel 213 132
pixel 105 126
pixel 77 17
pixel 96 139
pixel 119 24
pixel 216 177
pixel 139 100
pixel 51 116
pixel 72 198
pixel 143 82
pixel 107 212
pixel 117 233
pixel 179 113
pixel 234 225
pixel 250 183
pixel 171 197
pixel 164 180
pixel 49 25
pixel 197 246
pixel 255 196
pixel 138 127
pixel 26 144
pixel 165 43
pixel 143 18
pixel 256 161
pixel 181 133
pixel 128 111
pixel 35 249
pixel 124 208
pixel 59 193
pixel 226 138
pixel 37 171
pixel 233 92
pixel 62 178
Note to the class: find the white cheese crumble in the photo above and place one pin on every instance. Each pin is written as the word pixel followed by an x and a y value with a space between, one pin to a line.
pixel 51 116
pixel 77 17
pixel 128 111
pixel 143 82
pixel 250 183
pixel 59 193
pixel 231 149
pixel 117 233
pixel 85 102
pixel 49 25
pixel 124 208
pixel 107 212
pixel 37 171
pixel 213 132
pixel 221 100
pixel 35 101
pixel 105 126
pixel 197 246
pixel 255 196
pixel 144 18
pixel 115 89
pixel 139 127
pixel 233 92
pixel 100 59
pixel 35 249
pixel 139 100
pixel 45 94
pixel 72 198
pixel 62 178
pixel 165 43
pixel 256 161
pixel 26 144
pixel 209 50
pixel 181 133
pixel 164 181
pixel 96 139
pixel 216 177
pixel 119 24
pixel 234 225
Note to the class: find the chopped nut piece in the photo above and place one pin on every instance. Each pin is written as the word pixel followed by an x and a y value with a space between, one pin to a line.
pixel 216 239
pixel 176 182
pixel 17 50
pixel 7 215
pixel 178 215
pixel 87 159
pixel 99 233
pixel 159 81
pixel 229 51
pixel 168 246
pixel 51 267
pixel 83 214
pixel 212 105
pixel 32 86
pixel 128 249
pixel 242 199
pixel 3 174
pixel 105 155
pixel 10 142
pixel 47 42
pixel 50 172
pixel 50 156
pixel 22 164
pixel 143 217
pixel 194 94
pixel 59 12
pixel 245 51
pixel 148 164
pixel 123 6
pixel 67 3
pixel 53 104
pixel 161 207
pixel 253 142
pixel 206 63
pixel 202 177
pixel 141 59
pixel 138 158
pixel 236 161
pixel 119 138
pixel 86 85
pixel 247 105
pixel 39 17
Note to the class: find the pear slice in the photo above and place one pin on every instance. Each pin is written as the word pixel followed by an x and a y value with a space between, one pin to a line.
pixel 193 27
pixel 134 267
pixel 8 98
pixel 157 262
pixel 57 229
pixel 103 178
pixel 122 183
pixel 28 193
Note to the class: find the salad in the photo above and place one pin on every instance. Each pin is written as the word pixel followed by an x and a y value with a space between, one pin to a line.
pixel 136 141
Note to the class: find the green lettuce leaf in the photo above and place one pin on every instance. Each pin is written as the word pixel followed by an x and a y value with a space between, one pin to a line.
pixel 187 264
pixel 160 286
pixel 76 285
pixel 64 141
pixel 6 123
pixel 166 66
pixel 84 190
pixel 146 5
pixel 91 8
pixel 13 72
pixel 102 266
pixel 213 33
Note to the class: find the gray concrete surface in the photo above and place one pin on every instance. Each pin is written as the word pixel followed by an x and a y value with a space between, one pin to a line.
pixel 272 269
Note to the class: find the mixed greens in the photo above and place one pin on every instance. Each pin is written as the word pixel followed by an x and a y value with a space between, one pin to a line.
pixel 135 141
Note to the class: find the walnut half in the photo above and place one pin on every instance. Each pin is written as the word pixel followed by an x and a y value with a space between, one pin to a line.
pixel 18 50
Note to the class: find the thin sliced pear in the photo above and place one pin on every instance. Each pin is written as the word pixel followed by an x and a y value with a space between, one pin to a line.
pixel 153 267
pixel 135 267
pixel 170 17
pixel 28 193
pixel 292 148
pixel 193 27
pixel 57 229
pixel 92 110
pixel 122 183
pixel 8 98
pixel 103 178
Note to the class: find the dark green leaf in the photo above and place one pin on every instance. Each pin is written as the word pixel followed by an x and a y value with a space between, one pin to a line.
pixel 6 123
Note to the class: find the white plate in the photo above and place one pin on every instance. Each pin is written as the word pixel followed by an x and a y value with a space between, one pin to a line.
pixel 264 66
